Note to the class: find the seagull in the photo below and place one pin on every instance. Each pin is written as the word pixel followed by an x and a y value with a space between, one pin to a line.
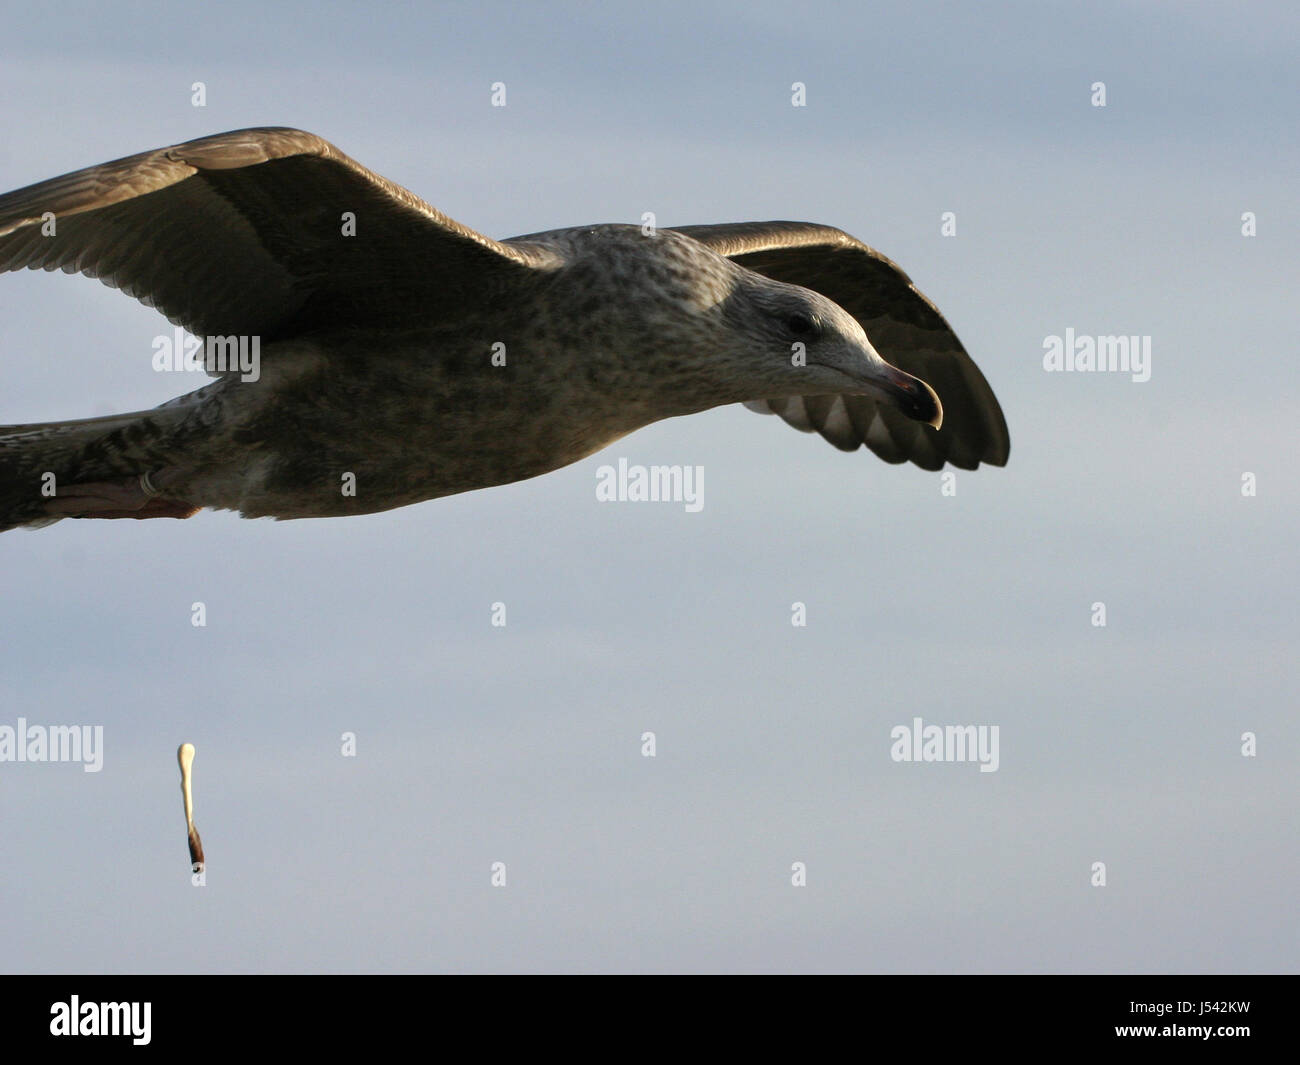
pixel 370 352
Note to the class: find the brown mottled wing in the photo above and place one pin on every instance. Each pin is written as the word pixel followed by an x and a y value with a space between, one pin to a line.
pixel 243 233
pixel 905 327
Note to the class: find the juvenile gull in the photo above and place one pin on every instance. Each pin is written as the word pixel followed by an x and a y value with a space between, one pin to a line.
pixel 403 356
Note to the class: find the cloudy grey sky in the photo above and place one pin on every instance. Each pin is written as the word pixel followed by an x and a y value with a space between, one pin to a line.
pixel 522 744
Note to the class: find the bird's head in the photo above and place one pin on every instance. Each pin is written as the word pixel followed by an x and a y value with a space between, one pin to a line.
pixel 801 344
pixel 695 330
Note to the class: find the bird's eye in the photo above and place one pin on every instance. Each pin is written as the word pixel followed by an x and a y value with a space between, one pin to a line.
pixel 800 325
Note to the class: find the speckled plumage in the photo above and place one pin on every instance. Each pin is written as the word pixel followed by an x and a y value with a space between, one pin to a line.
pixel 381 349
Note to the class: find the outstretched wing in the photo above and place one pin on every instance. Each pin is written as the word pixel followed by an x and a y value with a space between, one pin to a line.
pixel 905 327
pixel 264 232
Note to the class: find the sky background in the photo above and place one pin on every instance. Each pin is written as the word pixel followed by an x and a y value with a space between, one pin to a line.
pixel 522 744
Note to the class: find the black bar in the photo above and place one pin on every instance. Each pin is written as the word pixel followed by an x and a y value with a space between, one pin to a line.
pixel 919 1013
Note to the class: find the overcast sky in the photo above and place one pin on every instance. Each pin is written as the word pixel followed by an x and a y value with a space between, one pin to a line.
pixel 522 744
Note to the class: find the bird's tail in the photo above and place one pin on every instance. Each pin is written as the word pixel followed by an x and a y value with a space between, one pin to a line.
pixel 39 461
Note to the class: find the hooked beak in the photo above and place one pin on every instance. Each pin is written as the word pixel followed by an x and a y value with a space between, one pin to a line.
pixel 909 394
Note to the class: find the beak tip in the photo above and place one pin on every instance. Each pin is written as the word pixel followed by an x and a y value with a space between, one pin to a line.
pixel 913 397
pixel 937 419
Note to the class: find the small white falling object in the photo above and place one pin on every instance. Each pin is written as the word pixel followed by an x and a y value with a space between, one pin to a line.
pixel 185 756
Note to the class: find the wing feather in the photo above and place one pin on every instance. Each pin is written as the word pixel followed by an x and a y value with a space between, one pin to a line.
pixel 245 233
pixel 902 324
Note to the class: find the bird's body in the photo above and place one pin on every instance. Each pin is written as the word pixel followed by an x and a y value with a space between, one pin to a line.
pixel 403 357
